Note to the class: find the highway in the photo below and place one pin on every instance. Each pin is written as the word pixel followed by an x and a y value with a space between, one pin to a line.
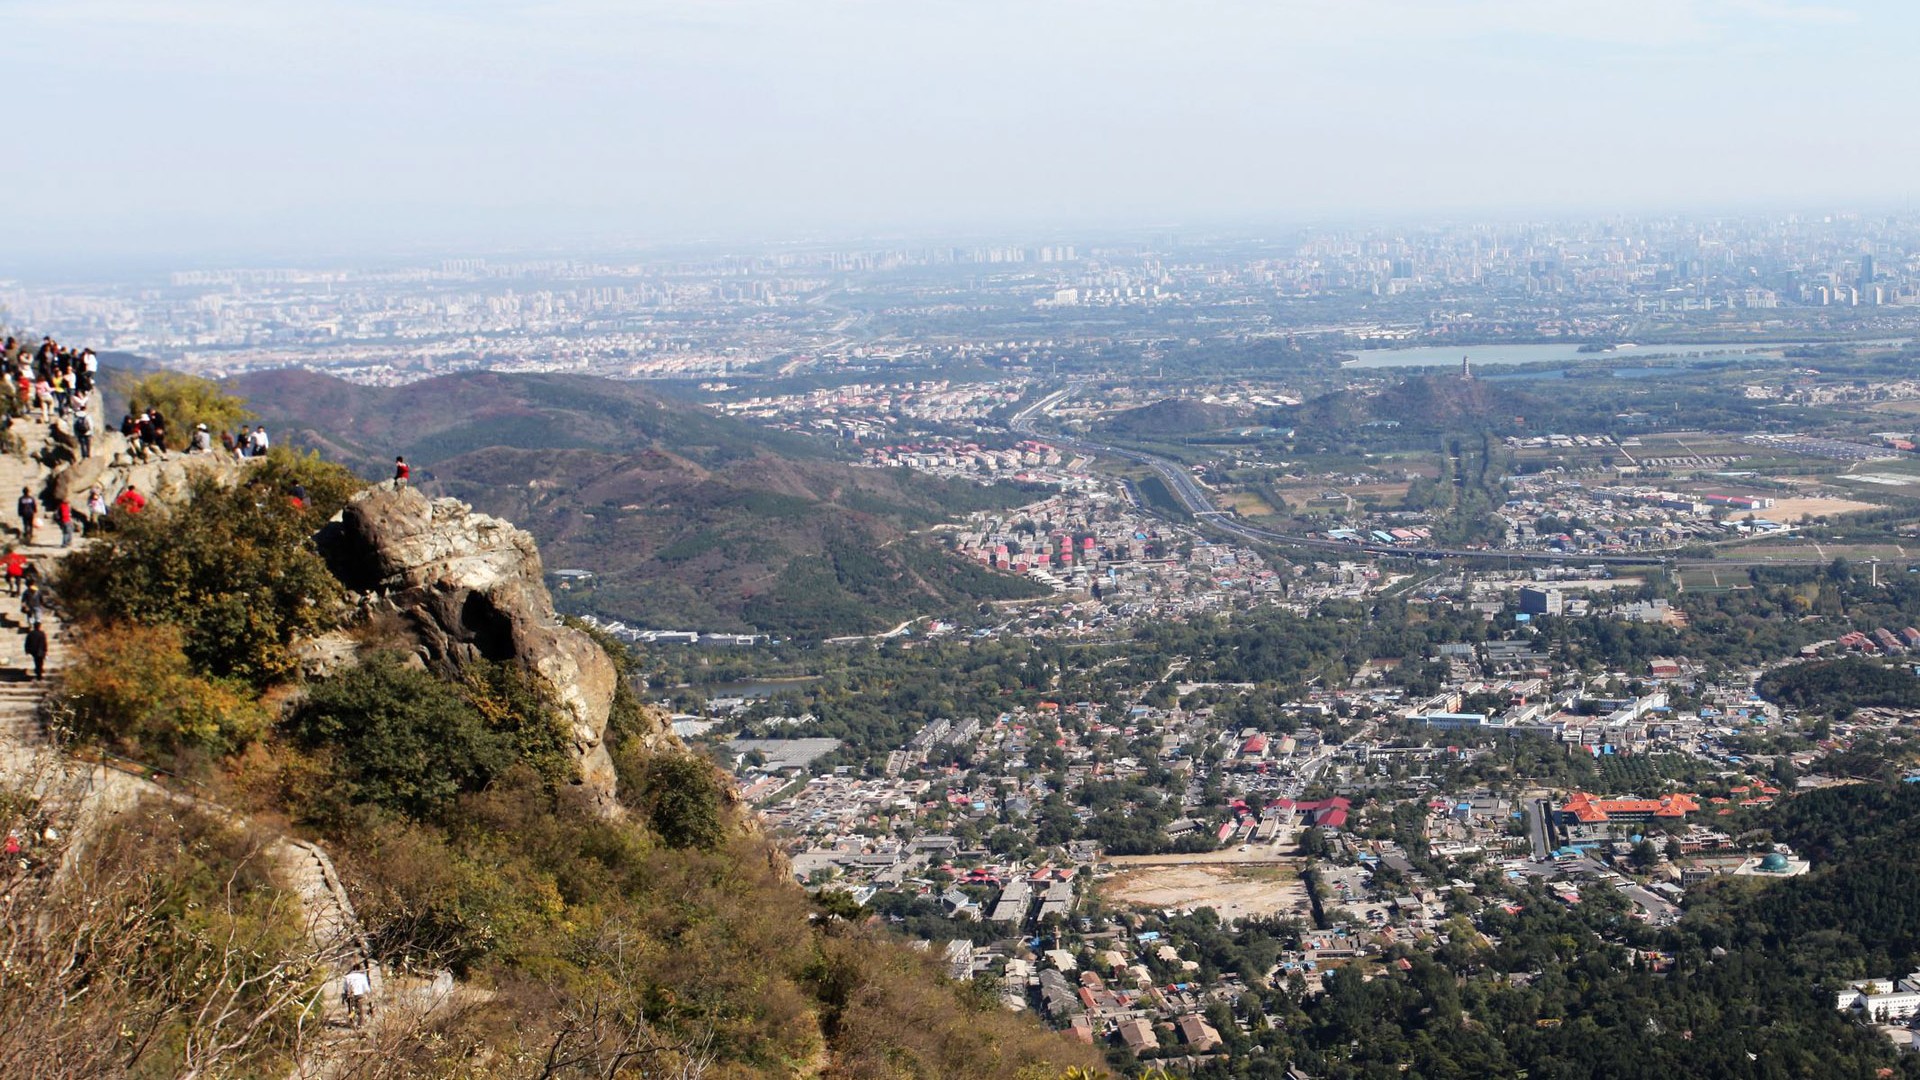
pixel 1199 502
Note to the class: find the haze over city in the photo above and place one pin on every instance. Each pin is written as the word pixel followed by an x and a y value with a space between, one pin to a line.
pixel 210 129
pixel 960 539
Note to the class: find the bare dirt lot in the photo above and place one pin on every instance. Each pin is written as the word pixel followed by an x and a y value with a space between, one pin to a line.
pixel 1261 854
pixel 1234 891
pixel 1247 504
pixel 1794 510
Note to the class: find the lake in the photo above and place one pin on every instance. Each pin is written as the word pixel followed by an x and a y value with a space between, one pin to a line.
pixel 1496 355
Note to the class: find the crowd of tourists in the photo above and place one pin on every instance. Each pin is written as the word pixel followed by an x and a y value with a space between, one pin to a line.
pixel 146 434
pixel 52 383
pixel 50 379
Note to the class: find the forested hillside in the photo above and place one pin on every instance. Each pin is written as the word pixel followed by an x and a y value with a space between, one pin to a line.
pixel 1843 685
pixel 1740 989
pixel 689 520
pixel 1172 416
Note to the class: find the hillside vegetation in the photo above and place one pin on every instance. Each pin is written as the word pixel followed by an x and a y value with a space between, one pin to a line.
pixel 688 520
pixel 661 937
pixel 1172 416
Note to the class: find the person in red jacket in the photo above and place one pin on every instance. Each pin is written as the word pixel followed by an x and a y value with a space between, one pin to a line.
pixel 400 472
pixel 64 515
pixel 16 567
pixel 131 500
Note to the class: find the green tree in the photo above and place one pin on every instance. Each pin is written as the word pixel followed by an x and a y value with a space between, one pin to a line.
pixel 328 485
pixel 400 739
pixel 234 569
pixel 683 798
pixel 185 400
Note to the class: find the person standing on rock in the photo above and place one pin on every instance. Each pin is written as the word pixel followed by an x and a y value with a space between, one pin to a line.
pixel 63 513
pixel 29 508
pixel 96 508
pixel 202 440
pixel 400 472
pixel 83 433
pixel 243 444
pixel 260 443
pixel 37 649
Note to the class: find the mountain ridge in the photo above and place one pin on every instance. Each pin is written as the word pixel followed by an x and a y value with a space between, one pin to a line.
pixel 686 519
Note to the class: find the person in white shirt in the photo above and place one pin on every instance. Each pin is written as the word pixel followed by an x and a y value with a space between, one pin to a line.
pixel 355 989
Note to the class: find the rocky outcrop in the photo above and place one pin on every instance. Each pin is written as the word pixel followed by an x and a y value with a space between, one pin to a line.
pixel 469 587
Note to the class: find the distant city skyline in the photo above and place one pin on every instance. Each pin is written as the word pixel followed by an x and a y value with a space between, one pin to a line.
pixel 222 130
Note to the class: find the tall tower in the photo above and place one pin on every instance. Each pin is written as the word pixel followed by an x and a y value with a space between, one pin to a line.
pixel 1466 369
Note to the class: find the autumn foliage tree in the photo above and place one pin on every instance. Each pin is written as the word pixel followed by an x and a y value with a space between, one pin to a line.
pixel 133 687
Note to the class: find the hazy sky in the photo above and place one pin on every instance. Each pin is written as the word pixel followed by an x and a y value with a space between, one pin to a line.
pixel 177 127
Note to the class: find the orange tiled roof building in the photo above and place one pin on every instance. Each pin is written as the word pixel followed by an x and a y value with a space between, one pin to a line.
pixel 1584 809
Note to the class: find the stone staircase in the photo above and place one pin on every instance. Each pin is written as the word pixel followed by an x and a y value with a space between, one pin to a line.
pixel 21 720
pixel 28 755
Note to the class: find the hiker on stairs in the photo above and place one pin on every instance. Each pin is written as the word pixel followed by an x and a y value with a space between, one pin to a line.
pixel 32 603
pixel 37 649
pixel 357 988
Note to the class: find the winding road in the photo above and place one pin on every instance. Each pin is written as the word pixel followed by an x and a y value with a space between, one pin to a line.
pixel 1199 502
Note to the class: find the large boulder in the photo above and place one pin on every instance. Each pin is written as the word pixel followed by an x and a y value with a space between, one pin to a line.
pixel 71 483
pixel 470 587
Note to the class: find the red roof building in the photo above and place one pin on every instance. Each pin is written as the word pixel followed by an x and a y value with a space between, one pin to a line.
pixel 1330 813
pixel 1584 809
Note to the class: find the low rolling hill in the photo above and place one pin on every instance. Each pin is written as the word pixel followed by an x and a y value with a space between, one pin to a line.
pixel 1422 403
pixel 1172 417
